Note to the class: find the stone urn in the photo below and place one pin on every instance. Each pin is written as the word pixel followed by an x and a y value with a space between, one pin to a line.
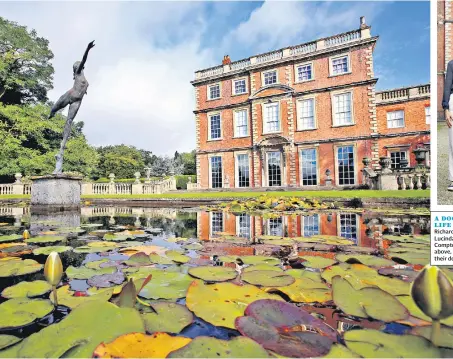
pixel 18 177
pixel 385 163
pixel 137 177
pixel 420 155
pixel 366 161
pixel 112 178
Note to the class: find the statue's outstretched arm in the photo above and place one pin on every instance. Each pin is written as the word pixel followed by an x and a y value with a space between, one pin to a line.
pixel 85 55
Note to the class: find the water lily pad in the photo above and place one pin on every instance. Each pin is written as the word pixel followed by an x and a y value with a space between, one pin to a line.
pixel 325 239
pixel 17 312
pixel 207 347
pixel 213 274
pixel 47 250
pixel 79 333
pixel 96 247
pixel 138 259
pixel 411 257
pixel 305 274
pixel 164 284
pixel 138 345
pixel 193 246
pixel 268 278
pixel 407 239
pixel 260 260
pixel 305 290
pixel 370 343
pixel 7 341
pixel 115 238
pixel 168 317
pixel 19 267
pixel 221 303
pixel 262 267
pixel 27 289
pixel 443 339
pixel 415 311
pixel 367 302
pixel 86 273
pixel 106 280
pixel 177 257
pixel 340 351
pixel 45 239
pixel 10 238
pixel 282 328
pixel 361 276
pixel 96 264
pixel 177 239
pixel 91 225
pixel 317 262
pixel 148 249
pixel 158 259
pixel 365 259
pixel 66 296
pixel 408 274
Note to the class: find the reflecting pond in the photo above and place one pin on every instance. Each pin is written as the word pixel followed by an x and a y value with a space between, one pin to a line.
pixel 289 257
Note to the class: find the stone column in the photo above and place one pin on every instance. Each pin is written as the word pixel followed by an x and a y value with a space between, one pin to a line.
pixel 87 188
pixel 112 189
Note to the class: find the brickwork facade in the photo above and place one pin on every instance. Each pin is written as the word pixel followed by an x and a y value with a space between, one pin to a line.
pixel 303 116
pixel 444 48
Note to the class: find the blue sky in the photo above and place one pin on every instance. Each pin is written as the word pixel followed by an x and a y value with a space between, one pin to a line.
pixel 146 53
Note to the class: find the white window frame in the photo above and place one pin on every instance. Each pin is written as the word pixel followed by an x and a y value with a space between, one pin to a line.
pixel 265 168
pixel 210 169
pixel 209 91
pixel 303 222
pixel 404 119
pixel 209 126
pixel 298 113
pixel 400 149
pixel 211 235
pixel 336 171
pixel 266 72
pixel 263 109
pixel 300 149
pixel 233 87
pixel 296 72
pixel 238 233
pixel 358 224
pixel 236 168
pixel 235 134
pixel 348 56
pixel 428 115
pixel 332 98
pixel 284 225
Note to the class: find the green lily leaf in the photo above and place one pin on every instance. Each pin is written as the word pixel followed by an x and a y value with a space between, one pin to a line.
pixel 27 289
pixel 19 267
pixel 7 341
pixel 268 278
pixel 365 259
pixel 213 274
pixel 87 273
pixel 317 262
pixel 167 317
pixel 17 312
pixel 47 250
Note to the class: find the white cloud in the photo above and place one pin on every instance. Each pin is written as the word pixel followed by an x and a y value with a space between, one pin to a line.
pixel 146 54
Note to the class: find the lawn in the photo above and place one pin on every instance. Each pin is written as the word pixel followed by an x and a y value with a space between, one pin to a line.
pixel 230 195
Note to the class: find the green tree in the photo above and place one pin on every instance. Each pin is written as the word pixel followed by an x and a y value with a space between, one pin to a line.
pixel 188 160
pixel 26 73
pixel 29 142
pixel 121 160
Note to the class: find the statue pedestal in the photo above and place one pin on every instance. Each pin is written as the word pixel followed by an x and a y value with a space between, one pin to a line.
pixel 55 192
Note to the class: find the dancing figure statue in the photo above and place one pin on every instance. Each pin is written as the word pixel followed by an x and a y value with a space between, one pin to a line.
pixel 73 98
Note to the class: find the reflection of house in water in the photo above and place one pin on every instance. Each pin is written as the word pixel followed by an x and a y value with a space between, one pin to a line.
pixel 360 228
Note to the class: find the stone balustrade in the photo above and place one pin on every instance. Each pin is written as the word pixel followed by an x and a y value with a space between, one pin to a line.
pixel 92 188
pixel 292 51
pixel 403 178
pixel 403 94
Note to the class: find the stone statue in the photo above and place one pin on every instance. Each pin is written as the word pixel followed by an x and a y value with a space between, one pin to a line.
pixel 73 98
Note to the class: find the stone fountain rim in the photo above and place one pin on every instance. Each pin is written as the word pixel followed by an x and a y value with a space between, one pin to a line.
pixel 57 176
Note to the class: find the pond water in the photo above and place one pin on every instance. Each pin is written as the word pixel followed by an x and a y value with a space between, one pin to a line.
pixel 350 239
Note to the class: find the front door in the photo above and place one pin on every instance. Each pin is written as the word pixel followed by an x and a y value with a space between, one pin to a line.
pixel 274 169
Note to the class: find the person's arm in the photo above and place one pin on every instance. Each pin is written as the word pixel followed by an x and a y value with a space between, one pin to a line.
pixel 447 86
pixel 85 55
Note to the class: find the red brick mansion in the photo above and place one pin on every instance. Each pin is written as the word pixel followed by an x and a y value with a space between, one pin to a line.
pixel 303 116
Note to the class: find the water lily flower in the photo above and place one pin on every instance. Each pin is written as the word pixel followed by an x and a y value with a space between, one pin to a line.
pixel 26 235
pixel 432 291
pixel 53 269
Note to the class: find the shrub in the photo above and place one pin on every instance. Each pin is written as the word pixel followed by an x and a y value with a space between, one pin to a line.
pixel 181 180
